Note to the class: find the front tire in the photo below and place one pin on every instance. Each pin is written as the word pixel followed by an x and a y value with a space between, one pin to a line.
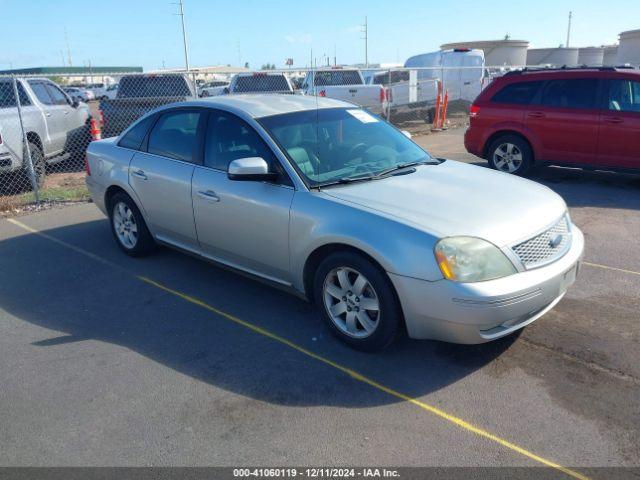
pixel 128 226
pixel 510 154
pixel 357 301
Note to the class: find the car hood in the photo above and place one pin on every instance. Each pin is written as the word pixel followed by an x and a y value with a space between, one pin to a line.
pixel 454 198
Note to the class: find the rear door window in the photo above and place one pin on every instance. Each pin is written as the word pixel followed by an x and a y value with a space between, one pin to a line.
pixel 134 137
pixel 624 96
pixel 570 93
pixel 8 97
pixel 175 135
pixel 520 93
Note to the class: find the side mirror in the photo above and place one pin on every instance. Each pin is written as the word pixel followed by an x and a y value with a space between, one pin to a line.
pixel 407 134
pixel 75 103
pixel 226 91
pixel 252 169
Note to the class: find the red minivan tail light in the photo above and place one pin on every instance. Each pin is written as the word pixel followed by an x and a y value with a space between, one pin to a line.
pixel 322 93
pixel 474 110
pixel 383 96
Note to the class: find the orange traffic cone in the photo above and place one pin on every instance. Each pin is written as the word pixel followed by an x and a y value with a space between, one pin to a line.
pixel 95 131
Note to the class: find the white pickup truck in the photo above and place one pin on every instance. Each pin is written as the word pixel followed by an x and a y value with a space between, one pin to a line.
pixel 56 126
pixel 347 85
pixel 407 96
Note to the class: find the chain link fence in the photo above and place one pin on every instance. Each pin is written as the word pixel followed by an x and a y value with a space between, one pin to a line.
pixel 46 124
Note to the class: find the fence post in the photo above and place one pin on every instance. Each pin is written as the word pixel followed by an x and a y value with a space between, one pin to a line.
pixel 25 140
pixel 387 96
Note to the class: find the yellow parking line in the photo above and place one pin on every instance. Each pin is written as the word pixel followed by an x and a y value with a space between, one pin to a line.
pixel 605 267
pixel 352 373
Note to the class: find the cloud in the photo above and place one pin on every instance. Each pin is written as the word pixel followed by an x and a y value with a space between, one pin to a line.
pixel 299 38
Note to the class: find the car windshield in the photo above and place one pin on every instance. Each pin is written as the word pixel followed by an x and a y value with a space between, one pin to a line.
pixel 341 144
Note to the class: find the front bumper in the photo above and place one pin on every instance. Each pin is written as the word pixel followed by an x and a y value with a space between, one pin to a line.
pixel 484 311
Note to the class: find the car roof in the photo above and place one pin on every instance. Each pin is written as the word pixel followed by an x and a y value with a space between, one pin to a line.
pixel 569 72
pixel 264 105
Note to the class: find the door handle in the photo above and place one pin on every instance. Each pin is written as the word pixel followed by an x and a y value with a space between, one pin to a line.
pixel 209 195
pixel 613 120
pixel 47 114
pixel 535 115
pixel 140 174
pixel 66 112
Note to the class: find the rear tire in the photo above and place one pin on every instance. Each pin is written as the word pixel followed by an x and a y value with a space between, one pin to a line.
pixel 39 165
pixel 128 226
pixel 510 154
pixel 357 301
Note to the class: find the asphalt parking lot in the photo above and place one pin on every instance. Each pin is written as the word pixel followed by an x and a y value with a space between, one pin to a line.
pixel 168 360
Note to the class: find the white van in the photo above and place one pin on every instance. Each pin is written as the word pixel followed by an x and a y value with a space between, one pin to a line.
pixel 464 83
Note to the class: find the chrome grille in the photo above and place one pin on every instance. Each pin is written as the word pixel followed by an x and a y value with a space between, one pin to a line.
pixel 545 247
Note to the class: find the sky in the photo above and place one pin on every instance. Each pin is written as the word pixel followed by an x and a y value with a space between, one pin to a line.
pixel 147 33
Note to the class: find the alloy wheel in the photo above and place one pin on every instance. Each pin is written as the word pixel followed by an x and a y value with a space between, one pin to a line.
pixel 351 302
pixel 124 224
pixel 507 158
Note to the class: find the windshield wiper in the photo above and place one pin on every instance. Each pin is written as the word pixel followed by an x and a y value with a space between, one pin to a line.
pixel 345 180
pixel 402 166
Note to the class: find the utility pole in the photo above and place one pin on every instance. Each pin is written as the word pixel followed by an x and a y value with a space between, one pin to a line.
pixel 569 29
pixel 66 39
pixel 184 35
pixel 365 30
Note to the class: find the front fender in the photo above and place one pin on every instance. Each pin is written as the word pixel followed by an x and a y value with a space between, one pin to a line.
pixel 318 220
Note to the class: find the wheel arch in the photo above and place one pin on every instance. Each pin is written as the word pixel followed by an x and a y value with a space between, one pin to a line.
pixel 503 132
pixel 34 138
pixel 320 253
pixel 113 189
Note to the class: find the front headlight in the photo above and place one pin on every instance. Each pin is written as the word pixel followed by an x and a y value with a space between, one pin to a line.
pixel 470 259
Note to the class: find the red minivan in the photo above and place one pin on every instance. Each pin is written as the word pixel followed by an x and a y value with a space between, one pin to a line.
pixel 581 117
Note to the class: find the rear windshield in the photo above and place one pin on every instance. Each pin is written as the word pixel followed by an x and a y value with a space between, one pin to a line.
pixel 337 77
pixel 391 77
pixel 261 83
pixel 147 86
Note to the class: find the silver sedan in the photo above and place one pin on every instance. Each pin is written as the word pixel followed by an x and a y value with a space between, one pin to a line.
pixel 338 206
